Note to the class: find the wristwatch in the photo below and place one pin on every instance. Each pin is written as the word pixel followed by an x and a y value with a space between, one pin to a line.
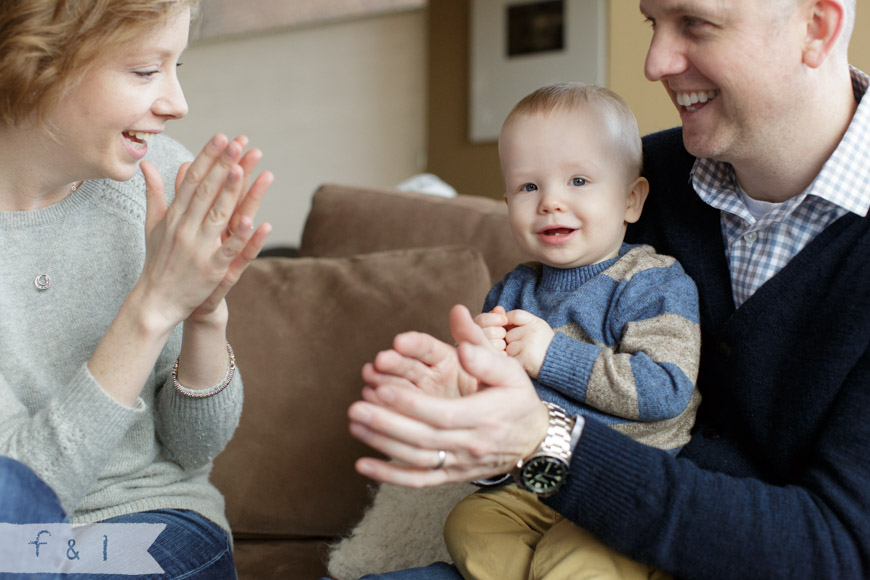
pixel 545 471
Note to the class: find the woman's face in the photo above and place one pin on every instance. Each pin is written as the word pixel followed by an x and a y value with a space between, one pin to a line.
pixel 125 98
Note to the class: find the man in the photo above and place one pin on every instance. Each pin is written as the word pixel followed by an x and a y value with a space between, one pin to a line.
pixel 766 208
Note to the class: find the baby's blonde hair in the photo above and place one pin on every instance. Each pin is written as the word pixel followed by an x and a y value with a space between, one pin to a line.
pixel 623 132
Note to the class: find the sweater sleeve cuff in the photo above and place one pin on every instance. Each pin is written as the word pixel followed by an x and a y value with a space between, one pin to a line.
pixel 607 470
pixel 567 365
pixel 211 406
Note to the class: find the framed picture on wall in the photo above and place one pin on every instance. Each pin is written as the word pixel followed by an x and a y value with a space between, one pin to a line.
pixel 518 46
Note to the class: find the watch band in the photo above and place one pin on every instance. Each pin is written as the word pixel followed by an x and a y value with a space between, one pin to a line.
pixel 563 434
pixel 554 451
pixel 557 442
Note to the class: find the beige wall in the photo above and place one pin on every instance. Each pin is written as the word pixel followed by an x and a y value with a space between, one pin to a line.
pixel 628 40
pixel 859 49
pixel 470 168
pixel 338 102
pixel 473 168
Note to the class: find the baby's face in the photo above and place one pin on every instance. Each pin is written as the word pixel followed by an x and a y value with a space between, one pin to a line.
pixel 567 191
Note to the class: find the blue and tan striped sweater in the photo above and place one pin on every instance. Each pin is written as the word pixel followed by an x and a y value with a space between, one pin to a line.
pixel 627 340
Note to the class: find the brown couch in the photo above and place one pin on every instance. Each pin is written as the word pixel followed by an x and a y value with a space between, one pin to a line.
pixel 372 263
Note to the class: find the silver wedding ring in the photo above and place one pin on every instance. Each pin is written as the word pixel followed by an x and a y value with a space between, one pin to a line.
pixel 442 458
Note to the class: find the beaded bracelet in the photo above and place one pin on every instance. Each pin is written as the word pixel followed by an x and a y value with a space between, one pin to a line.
pixel 196 393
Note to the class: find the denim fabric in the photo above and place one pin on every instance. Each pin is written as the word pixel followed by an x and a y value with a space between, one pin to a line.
pixel 26 499
pixel 437 571
pixel 191 547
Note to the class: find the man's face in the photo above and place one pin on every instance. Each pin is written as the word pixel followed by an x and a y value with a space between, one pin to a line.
pixel 732 69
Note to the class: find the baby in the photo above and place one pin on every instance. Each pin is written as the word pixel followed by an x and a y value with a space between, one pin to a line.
pixel 606 330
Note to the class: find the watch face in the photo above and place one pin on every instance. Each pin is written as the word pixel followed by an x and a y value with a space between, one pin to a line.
pixel 544 474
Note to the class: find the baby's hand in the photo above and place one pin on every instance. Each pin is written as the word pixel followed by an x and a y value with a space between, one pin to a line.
pixel 528 339
pixel 494 325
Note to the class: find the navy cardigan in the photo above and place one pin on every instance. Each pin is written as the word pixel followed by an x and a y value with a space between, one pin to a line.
pixel 775 482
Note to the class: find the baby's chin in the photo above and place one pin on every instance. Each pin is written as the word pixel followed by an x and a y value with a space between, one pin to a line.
pixel 562 265
pixel 568 263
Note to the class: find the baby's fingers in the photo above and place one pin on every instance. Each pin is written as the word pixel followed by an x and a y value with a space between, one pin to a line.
pixel 521 317
pixel 490 320
pixel 494 332
pixel 498 344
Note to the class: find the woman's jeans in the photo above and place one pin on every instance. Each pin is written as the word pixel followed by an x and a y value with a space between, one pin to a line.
pixel 190 547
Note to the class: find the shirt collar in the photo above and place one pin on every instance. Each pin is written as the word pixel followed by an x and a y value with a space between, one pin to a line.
pixel 843 180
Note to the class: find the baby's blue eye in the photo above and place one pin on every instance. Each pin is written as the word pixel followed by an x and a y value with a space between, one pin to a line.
pixel 529 187
pixel 578 181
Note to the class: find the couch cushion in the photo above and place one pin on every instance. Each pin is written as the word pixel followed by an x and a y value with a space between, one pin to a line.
pixel 280 559
pixel 302 329
pixel 349 220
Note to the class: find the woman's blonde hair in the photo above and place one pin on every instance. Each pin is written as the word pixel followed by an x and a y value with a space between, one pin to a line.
pixel 623 134
pixel 47 45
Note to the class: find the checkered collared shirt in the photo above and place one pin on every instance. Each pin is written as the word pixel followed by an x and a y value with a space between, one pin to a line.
pixel 759 248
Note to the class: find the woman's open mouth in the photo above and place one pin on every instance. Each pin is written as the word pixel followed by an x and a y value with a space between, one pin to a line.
pixel 138 139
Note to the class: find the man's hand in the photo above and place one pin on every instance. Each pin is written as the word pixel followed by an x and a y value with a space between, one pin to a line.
pixel 483 433
pixel 423 362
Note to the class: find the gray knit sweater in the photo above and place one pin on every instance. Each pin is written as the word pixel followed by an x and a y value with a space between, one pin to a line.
pixel 102 459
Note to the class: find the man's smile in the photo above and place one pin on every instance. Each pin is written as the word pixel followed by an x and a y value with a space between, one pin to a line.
pixel 692 99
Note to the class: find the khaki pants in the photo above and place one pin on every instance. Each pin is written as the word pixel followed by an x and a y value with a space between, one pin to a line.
pixel 507 534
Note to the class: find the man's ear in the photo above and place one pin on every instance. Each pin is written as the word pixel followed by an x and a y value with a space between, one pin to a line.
pixel 505 197
pixel 636 198
pixel 825 20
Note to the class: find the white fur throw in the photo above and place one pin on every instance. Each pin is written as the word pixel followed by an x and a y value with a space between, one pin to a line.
pixel 401 529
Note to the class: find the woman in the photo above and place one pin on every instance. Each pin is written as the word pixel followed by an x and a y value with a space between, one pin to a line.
pixel 104 394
